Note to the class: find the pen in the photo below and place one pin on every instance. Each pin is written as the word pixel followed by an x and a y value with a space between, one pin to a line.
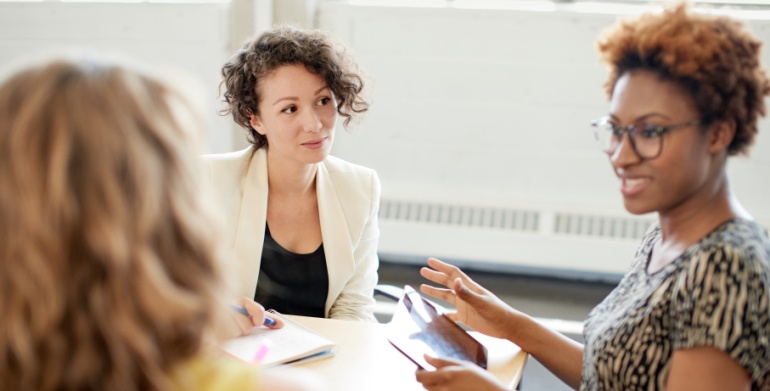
pixel 268 321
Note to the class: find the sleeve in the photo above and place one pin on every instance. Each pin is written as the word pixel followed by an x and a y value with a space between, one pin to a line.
pixel 215 371
pixel 356 301
pixel 724 305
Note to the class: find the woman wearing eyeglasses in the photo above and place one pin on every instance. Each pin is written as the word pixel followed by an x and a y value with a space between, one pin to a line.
pixel 685 91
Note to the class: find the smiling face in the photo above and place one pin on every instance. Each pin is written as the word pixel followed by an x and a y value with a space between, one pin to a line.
pixel 297 115
pixel 687 163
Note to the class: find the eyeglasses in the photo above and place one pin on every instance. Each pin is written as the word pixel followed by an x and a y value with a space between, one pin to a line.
pixel 646 139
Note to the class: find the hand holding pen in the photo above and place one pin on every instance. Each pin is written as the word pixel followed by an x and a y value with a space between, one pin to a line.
pixel 249 314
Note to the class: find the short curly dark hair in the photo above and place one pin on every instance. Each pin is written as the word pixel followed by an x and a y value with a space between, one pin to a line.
pixel 317 51
pixel 715 58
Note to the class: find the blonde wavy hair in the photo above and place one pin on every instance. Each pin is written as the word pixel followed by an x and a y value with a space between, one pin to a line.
pixel 108 264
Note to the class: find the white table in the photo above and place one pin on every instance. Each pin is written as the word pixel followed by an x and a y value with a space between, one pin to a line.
pixel 365 360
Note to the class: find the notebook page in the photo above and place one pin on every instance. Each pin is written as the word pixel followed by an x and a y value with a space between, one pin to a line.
pixel 290 343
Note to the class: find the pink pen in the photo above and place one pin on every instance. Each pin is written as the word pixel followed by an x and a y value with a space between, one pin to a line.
pixel 262 351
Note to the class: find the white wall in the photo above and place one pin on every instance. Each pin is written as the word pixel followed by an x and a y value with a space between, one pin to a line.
pixel 189 37
pixel 491 108
pixel 481 108
pixel 481 104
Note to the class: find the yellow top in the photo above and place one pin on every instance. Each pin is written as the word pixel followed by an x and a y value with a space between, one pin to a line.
pixel 211 372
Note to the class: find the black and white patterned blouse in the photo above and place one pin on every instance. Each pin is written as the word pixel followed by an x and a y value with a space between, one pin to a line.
pixel 714 294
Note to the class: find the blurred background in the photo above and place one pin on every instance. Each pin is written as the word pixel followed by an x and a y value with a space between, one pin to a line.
pixel 479 125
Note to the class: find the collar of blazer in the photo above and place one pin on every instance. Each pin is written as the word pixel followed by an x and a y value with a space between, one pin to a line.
pixel 251 227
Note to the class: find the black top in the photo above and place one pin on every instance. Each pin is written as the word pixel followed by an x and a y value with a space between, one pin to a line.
pixel 293 284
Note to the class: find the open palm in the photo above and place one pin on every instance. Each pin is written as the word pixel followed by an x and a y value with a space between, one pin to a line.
pixel 477 307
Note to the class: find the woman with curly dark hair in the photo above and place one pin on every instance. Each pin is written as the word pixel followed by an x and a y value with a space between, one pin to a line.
pixel 686 91
pixel 302 225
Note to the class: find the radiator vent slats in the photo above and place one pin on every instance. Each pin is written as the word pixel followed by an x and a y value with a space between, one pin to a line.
pixel 559 223
pixel 459 215
pixel 601 226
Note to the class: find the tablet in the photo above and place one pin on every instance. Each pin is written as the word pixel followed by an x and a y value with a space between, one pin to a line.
pixel 419 328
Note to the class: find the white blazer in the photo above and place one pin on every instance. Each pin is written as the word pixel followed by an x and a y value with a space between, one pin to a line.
pixel 348 202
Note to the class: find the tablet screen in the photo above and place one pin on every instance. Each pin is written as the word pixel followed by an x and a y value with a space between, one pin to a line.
pixel 418 328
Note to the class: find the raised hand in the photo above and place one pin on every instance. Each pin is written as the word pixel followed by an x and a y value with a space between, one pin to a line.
pixel 476 307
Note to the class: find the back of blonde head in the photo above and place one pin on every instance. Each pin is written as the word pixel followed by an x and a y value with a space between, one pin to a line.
pixel 107 264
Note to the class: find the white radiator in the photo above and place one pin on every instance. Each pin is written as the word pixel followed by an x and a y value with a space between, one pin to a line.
pixel 550 242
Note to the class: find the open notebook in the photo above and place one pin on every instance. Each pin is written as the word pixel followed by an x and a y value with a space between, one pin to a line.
pixel 292 343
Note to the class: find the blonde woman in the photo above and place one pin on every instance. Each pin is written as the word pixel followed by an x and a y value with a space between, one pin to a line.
pixel 301 225
pixel 108 262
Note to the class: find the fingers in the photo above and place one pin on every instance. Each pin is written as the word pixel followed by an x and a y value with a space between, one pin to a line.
pixel 450 271
pixel 257 314
pixel 441 362
pixel 278 322
pixel 445 377
pixel 431 380
pixel 439 293
pixel 427 379
pixel 255 310
pixel 441 274
pixel 445 274
pixel 465 294
pixel 435 276
pixel 239 325
pixel 465 376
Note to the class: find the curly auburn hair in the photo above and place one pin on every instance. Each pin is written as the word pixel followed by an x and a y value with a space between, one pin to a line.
pixel 714 58
pixel 258 58
pixel 109 274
